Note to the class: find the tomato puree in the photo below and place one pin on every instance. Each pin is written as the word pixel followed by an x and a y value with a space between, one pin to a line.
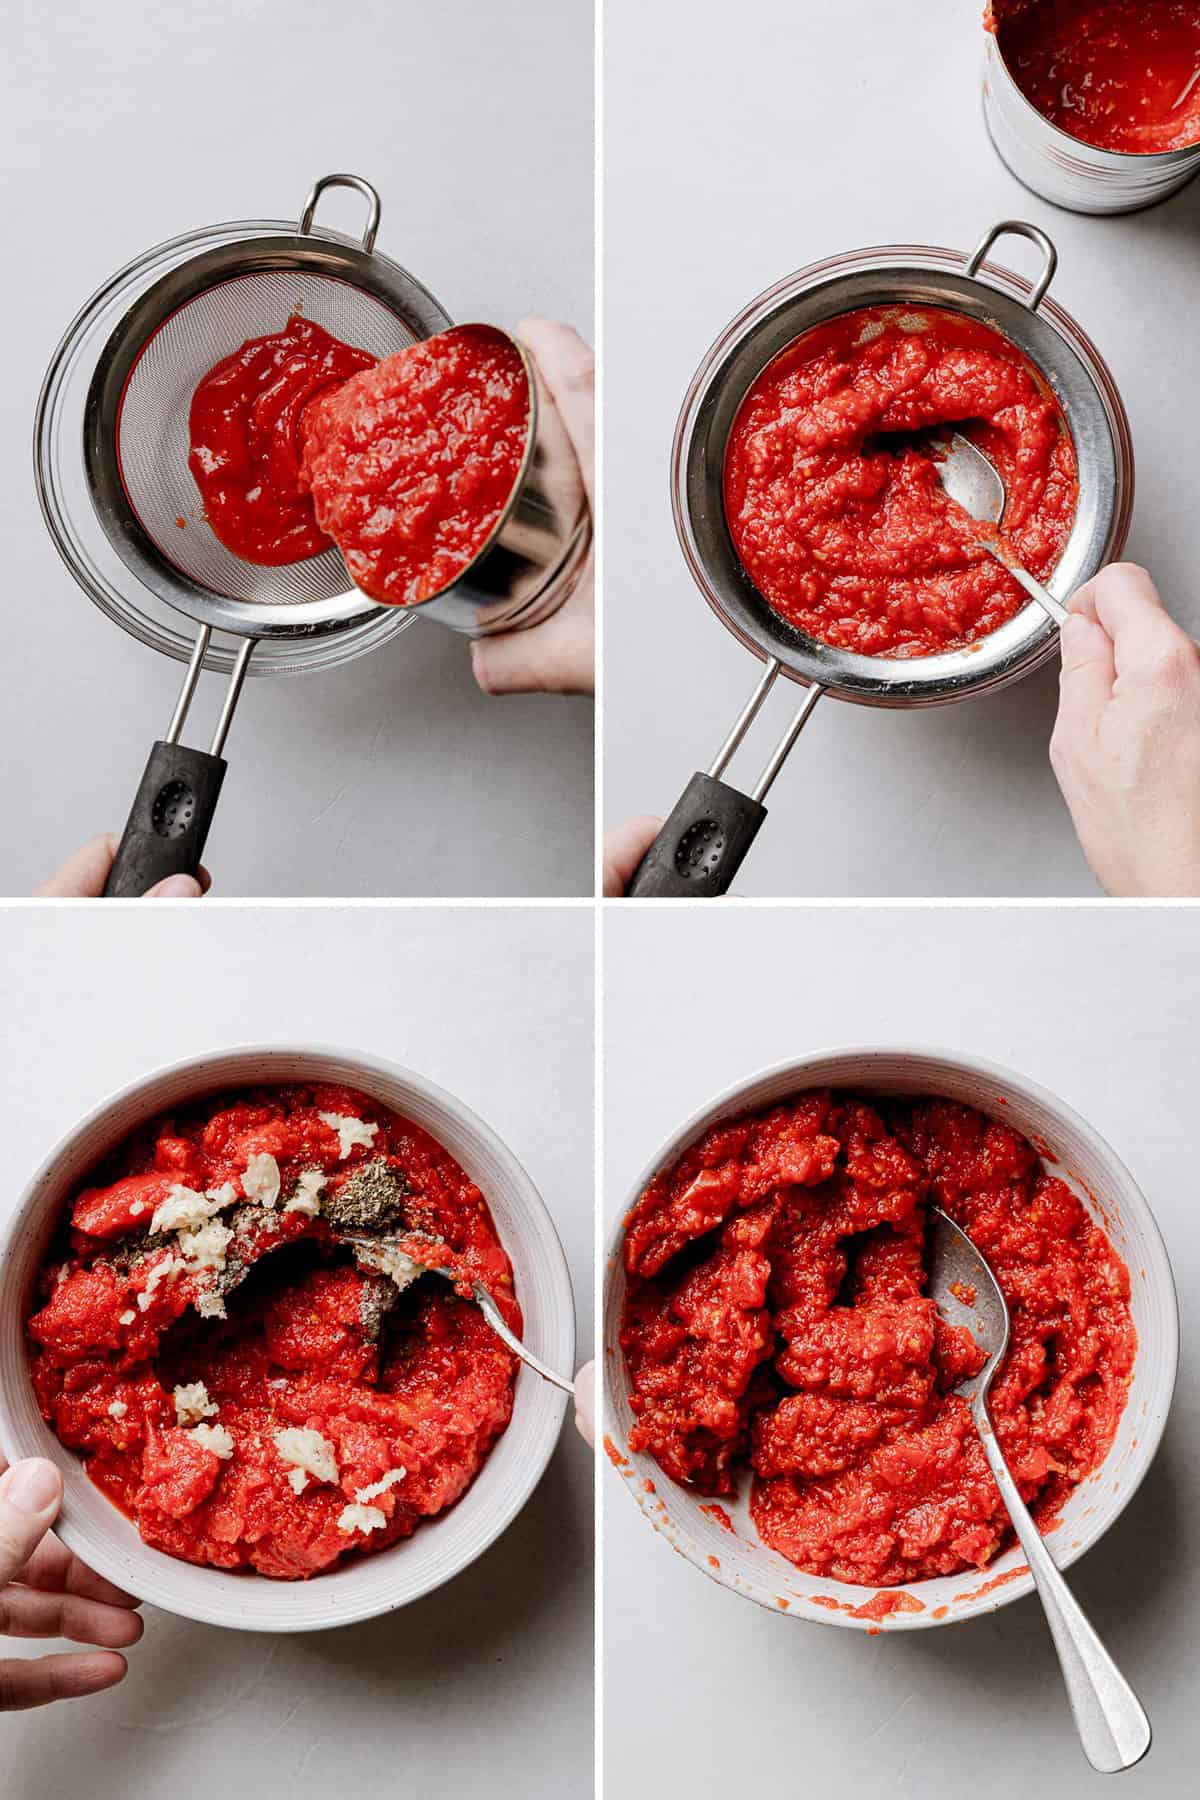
pixel 412 462
pixel 251 1392
pixel 838 516
pixel 1117 74
pixel 777 1327
pixel 245 446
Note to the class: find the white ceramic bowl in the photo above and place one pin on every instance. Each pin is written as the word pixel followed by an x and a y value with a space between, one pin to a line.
pixel 737 1558
pixel 366 1585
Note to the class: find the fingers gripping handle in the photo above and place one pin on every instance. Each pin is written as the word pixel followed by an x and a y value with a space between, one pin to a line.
pixel 702 845
pixel 169 820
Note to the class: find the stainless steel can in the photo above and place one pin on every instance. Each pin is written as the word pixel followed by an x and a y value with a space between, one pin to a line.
pixel 1063 169
pixel 537 548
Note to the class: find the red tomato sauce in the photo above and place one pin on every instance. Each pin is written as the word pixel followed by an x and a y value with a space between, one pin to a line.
pixel 407 1387
pixel 841 522
pixel 777 1326
pixel 245 446
pixel 412 462
pixel 1117 74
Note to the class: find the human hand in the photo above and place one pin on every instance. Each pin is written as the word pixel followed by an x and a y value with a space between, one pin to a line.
pixel 559 655
pixel 47 1592
pixel 1126 743
pixel 83 875
pixel 585 1404
pixel 624 848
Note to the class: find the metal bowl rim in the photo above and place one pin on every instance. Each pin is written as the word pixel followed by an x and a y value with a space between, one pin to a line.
pixel 1024 642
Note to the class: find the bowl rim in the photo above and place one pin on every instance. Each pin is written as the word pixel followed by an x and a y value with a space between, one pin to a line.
pixel 732 1098
pixel 161 1593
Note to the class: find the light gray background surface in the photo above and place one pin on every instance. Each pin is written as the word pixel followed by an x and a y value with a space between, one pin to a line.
pixel 741 147
pixel 485 1686
pixel 119 128
pixel 704 1692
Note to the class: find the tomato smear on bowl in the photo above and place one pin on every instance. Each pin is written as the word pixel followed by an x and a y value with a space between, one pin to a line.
pixel 777 1327
pixel 244 1389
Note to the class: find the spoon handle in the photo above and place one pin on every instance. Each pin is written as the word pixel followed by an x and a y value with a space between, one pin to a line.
pixel 495 1319
pixel 364 1240
pixel 1033 588
pixel 1113 1728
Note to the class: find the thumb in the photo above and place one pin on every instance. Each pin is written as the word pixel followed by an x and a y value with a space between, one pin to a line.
pixel 624 848
pixel 30 1496
pixel 175 887
pixel 1088 673
pixel 568 366
pixel 585 1404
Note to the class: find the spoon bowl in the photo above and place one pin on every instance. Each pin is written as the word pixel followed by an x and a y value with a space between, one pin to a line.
pixel 966 1293
pixel 970 478
pixel 973 482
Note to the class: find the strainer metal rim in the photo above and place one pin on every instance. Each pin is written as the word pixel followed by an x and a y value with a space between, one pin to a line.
pixel 1006 655
pixel 322 650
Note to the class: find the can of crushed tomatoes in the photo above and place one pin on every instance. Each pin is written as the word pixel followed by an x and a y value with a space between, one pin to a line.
pixel 537 549
pixel 1064 169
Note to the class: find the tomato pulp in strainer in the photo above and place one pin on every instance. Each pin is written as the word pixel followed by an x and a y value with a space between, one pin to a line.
pixel 1117 74
pixel 777 1329
pixel 842 524
pixel 243 1388
pixel 245 424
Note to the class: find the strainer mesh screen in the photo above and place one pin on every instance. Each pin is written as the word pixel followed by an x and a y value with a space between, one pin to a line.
pixel 152 430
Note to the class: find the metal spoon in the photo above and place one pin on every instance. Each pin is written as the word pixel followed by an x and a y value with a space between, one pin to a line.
pixel 1113 1729
pixel 483 1300
pixel 975 483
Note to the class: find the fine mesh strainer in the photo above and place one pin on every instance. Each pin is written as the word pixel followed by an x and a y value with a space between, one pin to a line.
pixel 126 386
pixel 136 443
pixel 704 841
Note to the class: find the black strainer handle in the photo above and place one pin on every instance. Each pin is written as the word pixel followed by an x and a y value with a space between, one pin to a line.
pixel 175 803
pixel 169 820
pixel 702 845
pixel 704 842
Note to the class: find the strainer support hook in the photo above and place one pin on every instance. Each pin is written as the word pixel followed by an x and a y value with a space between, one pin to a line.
pixel 347 181
pixel 1019 228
